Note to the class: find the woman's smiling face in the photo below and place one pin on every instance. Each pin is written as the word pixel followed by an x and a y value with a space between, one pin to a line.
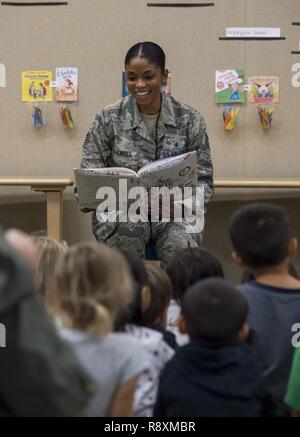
pixel 144 81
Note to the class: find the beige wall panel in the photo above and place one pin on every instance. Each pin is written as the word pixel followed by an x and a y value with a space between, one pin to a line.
pixel 95 36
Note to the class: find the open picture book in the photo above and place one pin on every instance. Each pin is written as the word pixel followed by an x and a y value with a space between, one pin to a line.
pixel 177 171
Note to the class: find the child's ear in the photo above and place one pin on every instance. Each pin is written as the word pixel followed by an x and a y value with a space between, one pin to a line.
pixel 181 324
pixel 243 333
pixel 145 298
pixel 293 247
pixel 237 259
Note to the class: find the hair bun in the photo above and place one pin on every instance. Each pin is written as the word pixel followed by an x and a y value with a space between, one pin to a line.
pixel 96 317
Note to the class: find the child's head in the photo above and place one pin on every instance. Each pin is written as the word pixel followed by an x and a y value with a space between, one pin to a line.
pixel 261 235
pixel 188 266
pixel 141 293
pixel 50 254
pixel 93 285
pixel 214 310
pixel 160 296
pixel 24 245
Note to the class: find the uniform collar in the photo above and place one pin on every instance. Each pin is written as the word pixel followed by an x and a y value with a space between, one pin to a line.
pixel 167 115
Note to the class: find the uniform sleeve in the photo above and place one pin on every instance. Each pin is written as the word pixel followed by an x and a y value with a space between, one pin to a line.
pixel 97 145
pixel 198 140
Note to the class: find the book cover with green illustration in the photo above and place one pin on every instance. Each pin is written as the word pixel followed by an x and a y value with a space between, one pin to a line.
pixel 229 86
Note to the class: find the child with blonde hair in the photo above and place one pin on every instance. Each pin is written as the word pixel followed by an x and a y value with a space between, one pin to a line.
pixel 93 285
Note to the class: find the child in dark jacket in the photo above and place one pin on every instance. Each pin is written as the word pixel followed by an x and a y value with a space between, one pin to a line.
pixel 216 374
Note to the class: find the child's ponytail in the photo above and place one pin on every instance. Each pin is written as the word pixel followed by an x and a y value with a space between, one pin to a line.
pixel 98 321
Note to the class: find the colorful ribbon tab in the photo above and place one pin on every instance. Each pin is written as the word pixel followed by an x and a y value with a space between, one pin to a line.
pixel 37 114
pixel 67 117
pixel 265 114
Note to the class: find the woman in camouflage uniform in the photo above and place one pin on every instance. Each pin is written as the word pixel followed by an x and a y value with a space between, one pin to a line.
pixel 145 126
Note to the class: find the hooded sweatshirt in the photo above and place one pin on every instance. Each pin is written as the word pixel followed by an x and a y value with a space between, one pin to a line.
pixel 210 380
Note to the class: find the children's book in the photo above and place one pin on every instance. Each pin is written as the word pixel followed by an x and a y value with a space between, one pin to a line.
pixel 263 89
pixel 229 86
pixel 36 86
pixel 178 171
pixel 66 84
pixel 125 91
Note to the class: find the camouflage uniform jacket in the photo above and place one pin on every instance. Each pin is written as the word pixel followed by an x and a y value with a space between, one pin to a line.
pixel 118 137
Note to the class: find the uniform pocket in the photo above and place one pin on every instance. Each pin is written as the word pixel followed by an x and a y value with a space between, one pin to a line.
pixel 173 145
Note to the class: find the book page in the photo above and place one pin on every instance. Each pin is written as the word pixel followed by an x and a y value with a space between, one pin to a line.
pixel 66 84
pixel 89 181
pixel 164 163
pixel 111 171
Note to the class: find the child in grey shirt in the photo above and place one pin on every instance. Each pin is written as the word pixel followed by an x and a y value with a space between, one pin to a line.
pixel 93 285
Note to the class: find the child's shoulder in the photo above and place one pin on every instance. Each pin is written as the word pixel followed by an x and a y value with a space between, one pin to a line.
pixel 286 285
pixel 144 334
pixel 123 340
pixel 152 341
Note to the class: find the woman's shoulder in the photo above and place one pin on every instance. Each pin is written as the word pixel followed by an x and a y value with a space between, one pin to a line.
pixel 181 109
pixel 118 107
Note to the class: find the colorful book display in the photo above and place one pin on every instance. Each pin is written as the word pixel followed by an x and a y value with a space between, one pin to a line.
pixel 67 92
pixel 66 84
pixel 230 88
pixel 263 89
pixel 36 86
